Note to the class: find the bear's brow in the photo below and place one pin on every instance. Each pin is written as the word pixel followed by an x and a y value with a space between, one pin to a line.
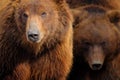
pixel 93 9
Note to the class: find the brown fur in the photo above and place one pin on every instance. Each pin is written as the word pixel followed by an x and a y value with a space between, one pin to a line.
pixel 21 72
pixel 3 3
pixel 48 59
pixel 112 4
pixel 96 41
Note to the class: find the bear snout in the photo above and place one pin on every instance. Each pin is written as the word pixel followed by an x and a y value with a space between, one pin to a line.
pixel 33 31
pixel 33 35
pixel 96 57
pixel 97 65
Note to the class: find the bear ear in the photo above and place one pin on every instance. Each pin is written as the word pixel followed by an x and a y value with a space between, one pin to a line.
pixel 59 1
pixel 114 16
pixel 78 15
pixel 15 0
pixel 69 1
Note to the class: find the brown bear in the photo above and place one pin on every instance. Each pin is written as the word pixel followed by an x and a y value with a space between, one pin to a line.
pixel 112 4
pixel 36 40
pixel 96 44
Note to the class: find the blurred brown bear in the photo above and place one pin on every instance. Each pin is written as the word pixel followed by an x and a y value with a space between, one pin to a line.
pixel 96 44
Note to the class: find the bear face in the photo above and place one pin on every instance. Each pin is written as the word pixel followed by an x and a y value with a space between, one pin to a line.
pixel 34 20
pixel 95 37
pixel 38 24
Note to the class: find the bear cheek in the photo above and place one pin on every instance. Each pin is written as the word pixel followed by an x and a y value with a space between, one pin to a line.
pixel 95 58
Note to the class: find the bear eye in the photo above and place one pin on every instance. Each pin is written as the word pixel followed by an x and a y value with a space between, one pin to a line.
pixel 43 14
pixel 86 43
pixel 103 43
pixel 25 15
pixel 24 18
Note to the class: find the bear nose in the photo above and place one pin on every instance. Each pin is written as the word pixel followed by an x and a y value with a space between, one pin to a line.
pixel 96 66
pixel 33 36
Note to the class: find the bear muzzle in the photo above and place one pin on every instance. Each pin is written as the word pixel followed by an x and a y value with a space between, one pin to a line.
pixel 96 65
pixel 96 57
pixel 34 33
pixel 33 36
